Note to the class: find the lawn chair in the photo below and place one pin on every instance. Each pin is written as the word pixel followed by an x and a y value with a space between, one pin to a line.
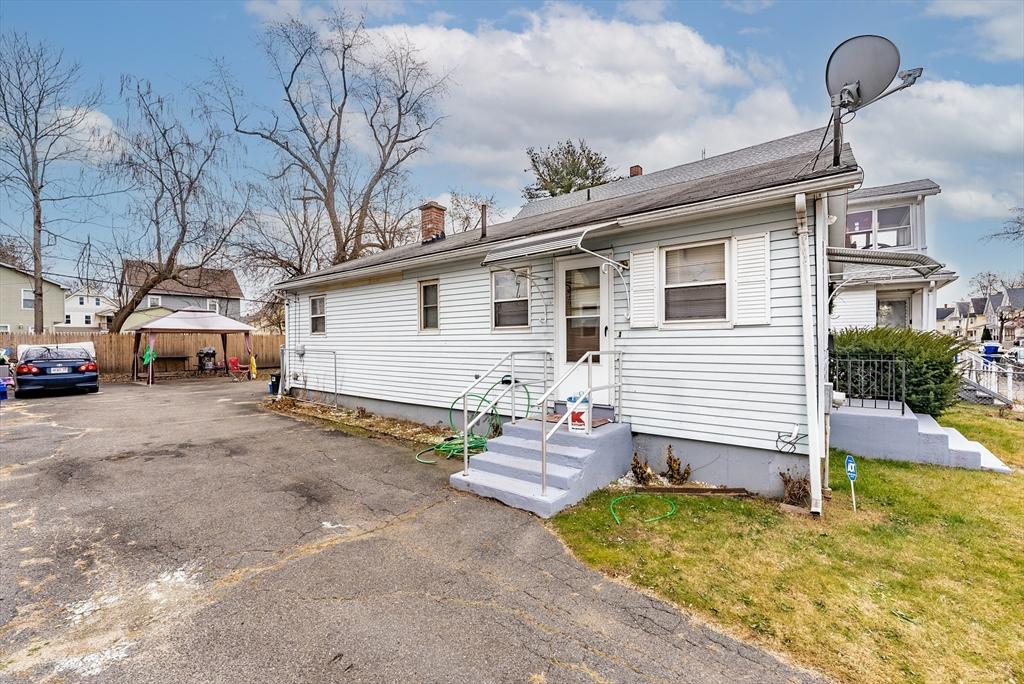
pixel 235 369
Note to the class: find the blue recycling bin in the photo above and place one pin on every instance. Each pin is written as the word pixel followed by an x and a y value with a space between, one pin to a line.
pixel 989 349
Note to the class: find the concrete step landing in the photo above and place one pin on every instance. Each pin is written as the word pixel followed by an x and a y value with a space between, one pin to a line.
pixel 577 464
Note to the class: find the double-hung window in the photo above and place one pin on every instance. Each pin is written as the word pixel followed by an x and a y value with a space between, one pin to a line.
pixel 694 283
pixel 881 228
pixel 317 315
pixel 510 293
pixel 81 301
pixel 67 319
pixel 28 300
pixel 429 305
pixel 88 319
pixel 213 305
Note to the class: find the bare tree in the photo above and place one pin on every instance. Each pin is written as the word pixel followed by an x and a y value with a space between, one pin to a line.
pixel 184 207
pixel 44 127
pixel 14 251
pixel 464 212
pixel 391 221
pixel 1013 228
pixel 985 283
pixel 354 111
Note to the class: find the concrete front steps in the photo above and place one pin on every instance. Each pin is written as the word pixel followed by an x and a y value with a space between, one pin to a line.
pixel 509 470
pixel 881 433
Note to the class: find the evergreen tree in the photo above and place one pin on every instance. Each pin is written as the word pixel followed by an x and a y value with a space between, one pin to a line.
pixel 564 168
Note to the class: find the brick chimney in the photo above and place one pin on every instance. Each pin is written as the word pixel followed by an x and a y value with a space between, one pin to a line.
pixel 431 222
pixel 636 170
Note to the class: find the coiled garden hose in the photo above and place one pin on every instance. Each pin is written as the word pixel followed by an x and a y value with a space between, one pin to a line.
pixel 452 446
pixel 618 521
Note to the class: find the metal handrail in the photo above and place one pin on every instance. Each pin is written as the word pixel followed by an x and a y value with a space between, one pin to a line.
pixel 468 424
pixel 585 395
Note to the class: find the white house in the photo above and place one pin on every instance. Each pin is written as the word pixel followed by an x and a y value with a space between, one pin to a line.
pixel 696 288
pixel 86 310
pixel 889 218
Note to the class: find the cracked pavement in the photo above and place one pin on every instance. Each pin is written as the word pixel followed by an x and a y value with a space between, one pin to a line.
pixel 180 533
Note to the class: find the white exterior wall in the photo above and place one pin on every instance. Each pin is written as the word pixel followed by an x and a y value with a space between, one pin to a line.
pixel 854 308
pixel 739 385
pixel 78 311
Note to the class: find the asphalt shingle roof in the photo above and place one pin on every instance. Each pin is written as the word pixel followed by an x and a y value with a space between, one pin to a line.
pixel 943 312
pixel 1015 297
pixel 808 141
pixel 202 281
pixel 978 304
pixel 757 176
pixel 924 186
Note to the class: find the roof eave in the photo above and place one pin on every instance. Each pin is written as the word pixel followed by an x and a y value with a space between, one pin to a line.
pixel 727 203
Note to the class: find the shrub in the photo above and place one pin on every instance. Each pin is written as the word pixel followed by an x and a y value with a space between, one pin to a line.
pixel 674 472
pixel 932 380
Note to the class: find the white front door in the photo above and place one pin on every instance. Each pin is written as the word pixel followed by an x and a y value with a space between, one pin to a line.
pixel 583 323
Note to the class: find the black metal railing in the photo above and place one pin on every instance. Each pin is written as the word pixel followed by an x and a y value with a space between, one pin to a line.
pixel 870 382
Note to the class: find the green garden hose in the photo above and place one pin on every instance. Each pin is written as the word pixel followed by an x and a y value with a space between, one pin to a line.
pixel 618 521
pixel 452 446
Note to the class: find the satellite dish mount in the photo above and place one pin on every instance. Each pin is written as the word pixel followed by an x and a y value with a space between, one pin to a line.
pixel 859 72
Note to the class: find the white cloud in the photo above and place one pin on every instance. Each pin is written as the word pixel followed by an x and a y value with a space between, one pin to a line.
pixel 556 78
pixel 748 6
pixel 643 10
pixel 998 25
pixel 968 138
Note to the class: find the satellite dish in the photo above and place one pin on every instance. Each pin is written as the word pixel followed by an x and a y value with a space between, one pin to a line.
pixel 860 70
pixel 858 73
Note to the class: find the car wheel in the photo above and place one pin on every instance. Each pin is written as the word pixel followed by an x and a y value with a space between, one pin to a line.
pixel 19 395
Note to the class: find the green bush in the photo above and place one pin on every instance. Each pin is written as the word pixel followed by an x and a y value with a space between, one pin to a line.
pixel 931 378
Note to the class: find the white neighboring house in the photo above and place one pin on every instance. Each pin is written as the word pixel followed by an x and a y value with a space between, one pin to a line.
pixel 696 286
pixel 87 311
pixel 889 218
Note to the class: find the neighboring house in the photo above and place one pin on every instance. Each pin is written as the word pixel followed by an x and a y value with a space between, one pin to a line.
pixel 213 289
pixel 17 302
pixel 974 321
pixel 947 320
pixel 87 310
pixel 688 282
pixel 1004 314
pixel 890 218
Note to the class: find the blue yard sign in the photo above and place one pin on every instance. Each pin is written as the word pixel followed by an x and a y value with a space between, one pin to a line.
pixel 851 472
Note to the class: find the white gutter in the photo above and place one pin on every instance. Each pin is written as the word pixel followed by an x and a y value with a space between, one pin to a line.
pixel 744 200
pixel 814 433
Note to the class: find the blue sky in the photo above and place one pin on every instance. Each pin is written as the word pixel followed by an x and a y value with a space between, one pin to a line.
pixel 652 83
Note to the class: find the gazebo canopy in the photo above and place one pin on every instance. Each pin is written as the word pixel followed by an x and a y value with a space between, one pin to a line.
pixel 193 320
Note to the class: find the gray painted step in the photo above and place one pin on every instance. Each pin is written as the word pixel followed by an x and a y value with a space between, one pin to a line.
pixel 526 469
pixel 511 491
pixel 879 433
pixel 529 447
pixel 509 470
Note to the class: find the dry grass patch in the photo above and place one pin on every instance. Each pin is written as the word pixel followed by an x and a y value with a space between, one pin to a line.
pixel 924 583
pixel 363 422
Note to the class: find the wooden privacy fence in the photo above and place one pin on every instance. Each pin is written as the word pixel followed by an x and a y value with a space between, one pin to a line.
pixel 114 351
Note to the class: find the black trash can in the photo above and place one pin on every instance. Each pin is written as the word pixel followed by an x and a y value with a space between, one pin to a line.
pixel 275 383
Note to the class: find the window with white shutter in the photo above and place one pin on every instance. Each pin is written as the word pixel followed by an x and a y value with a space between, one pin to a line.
pixel 643 293
pixel 752 280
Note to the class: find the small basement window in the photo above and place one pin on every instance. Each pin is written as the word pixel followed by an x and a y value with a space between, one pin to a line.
pixel 429 305
pixel 695 283
pixel 317 315
pixel 510 293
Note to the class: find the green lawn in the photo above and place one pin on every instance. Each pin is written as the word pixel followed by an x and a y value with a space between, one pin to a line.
pixel 1001 431
pixel 924 583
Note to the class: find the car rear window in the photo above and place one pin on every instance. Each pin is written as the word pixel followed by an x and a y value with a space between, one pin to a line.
pixel 70 354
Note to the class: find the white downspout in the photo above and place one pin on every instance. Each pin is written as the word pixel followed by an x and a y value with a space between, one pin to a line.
pixel 814 449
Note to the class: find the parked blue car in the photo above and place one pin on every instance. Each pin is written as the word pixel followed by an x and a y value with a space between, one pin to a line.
pixel 46 368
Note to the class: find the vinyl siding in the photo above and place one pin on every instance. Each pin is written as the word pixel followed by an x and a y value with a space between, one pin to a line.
pixel 854 308
pixel 736 385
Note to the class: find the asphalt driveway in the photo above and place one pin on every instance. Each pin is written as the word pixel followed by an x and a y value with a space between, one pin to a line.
pixel 181 534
